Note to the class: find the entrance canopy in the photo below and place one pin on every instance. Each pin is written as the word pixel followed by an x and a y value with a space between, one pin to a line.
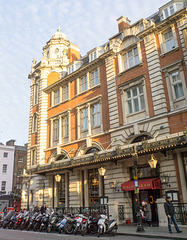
pixel 149 183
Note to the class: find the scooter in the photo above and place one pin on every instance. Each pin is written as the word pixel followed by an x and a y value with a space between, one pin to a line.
pixel 80 221
pixel 32 221
pixel 106 226
pixel 90 226
pixel 7 219
pixel 62 225
pixel 12 221
pixel 44 222
pixel 38 221
pixel 54 223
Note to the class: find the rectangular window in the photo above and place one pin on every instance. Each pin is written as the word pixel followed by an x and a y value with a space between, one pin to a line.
pixel 84 119
pixel 94 78
pixel 177 86
pixel 135 99
pixel 33 157
pixel 20 171
pixel 96 115
pixel 169 41
pixel 65 93
pixel 93 56
pixel 35 93
pixel 56 96
pixel 4 170
pixel 55 132
pixel 83 83
pixel 20 159
pixel 3 185
pixel 131 58
pixel 65 126
pixel 5 154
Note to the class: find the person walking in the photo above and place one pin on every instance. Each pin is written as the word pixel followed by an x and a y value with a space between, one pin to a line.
pixel 43 208
pixel 169 210
pixel 36 208
pixel 147 212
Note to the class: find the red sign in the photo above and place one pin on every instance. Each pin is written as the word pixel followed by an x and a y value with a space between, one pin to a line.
pixel 149 183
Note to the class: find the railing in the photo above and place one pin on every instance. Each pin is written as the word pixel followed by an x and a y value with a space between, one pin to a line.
pixel 102 209
pixel 180 212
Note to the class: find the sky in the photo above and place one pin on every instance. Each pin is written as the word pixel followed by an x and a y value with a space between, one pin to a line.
pixel 26 26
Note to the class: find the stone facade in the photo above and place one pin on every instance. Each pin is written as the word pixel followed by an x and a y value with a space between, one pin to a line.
pixel 126 95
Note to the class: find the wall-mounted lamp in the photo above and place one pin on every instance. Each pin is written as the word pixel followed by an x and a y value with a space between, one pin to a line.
pixel 113 185
pixel 57 178
pixel 165 180
pixel 152 162
pixel 102 171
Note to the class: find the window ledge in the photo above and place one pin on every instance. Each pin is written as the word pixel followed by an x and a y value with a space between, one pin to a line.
pixel 56 105
pixel 166 53
pixel 179 99
pixel 136 113
pixel 91 88
pixel 129 69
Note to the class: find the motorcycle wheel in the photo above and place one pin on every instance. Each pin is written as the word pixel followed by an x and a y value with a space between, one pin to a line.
pixel 60 231
pixel 29 227
pixel 114 231
pixel 76 230
pixel 41 228
pixel 35 227
pixel 68 229
pixel 4 225
pixel 22 226
pixel 15 226
pixel 10 225
pixel 99 232
pixel 49 229
pixel 84 231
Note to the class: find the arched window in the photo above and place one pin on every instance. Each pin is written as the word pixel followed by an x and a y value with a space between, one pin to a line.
pixel 141 138
pixel 92 150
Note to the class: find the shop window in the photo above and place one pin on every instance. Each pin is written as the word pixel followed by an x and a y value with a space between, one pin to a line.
pixel 61 191
pixel 93 179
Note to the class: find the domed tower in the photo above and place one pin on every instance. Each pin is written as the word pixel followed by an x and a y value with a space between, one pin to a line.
pixel 57 54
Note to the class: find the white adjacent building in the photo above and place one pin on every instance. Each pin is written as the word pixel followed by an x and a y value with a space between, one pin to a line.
pixel 6 168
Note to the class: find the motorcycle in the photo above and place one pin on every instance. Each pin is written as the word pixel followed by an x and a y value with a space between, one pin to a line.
pixel 25 222
pixel 32 221
pixel 12 221
pixel 44 222
pixel 90 226
pixel 7 218
pixel 80 220
pixel 38 221
pixel 54 223
pixel 106 226
pixel 70 225
pixel 19 220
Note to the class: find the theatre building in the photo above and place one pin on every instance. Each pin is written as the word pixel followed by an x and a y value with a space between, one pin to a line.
pixel 116 115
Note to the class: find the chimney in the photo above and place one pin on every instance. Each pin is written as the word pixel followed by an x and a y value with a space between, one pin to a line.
pixel 10 142
pixel 123 22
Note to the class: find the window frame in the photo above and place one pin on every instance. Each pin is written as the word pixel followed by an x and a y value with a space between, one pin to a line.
pixel 97 114
pixel 3 188
pixel 162 41
pixel 33 157
pixel 168 70
pixel 95 78
pixel 5 154
pixel 4 169
pixel 34 123
pixel 83 82
pixel 35 93
pixel 82 118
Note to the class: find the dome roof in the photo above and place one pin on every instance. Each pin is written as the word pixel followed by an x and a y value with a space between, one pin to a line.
pixel 58 34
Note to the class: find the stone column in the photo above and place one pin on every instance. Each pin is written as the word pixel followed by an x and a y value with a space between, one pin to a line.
pixel 162 219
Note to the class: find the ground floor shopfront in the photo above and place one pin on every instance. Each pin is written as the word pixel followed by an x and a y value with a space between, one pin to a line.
pixel 79 183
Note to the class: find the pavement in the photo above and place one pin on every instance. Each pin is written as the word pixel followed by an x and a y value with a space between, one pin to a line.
pixel 152 232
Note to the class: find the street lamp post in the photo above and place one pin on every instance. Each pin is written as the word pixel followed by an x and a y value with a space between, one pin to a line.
pixel 136 191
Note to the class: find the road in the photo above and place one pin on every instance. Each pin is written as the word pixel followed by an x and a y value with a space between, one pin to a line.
pixel 9 234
